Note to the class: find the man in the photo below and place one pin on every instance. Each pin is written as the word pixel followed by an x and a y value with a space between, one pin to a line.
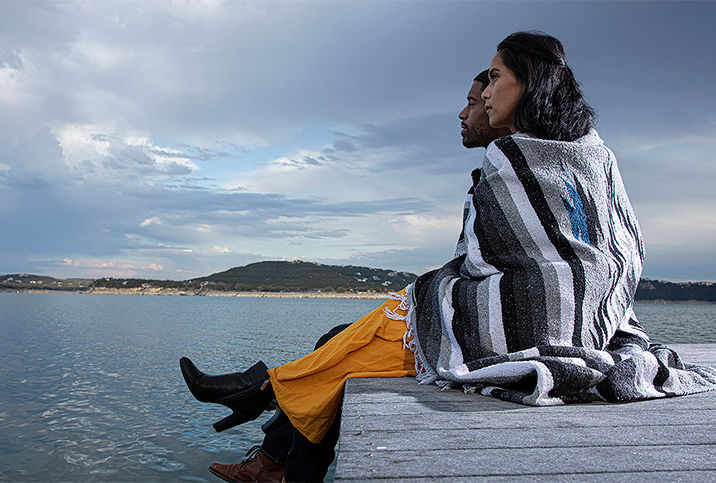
pixel 283 443
pixel 476 130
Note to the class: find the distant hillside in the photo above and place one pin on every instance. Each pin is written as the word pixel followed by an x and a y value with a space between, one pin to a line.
pixel 676 292
pixel 298 276
pixel 25 281
pixel 304 276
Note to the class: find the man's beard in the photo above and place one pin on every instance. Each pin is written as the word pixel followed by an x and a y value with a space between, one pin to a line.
pixel 475 138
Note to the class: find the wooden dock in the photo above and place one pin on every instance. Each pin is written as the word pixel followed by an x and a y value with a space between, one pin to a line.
pixel 394 429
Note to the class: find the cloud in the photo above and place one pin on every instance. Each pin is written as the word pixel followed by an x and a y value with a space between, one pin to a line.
pixel 102 268
pixel 119 199
pixel 151 137
pixel 34 161
pixel 149 221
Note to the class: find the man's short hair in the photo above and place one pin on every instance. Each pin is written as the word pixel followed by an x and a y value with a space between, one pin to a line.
pixel 482 78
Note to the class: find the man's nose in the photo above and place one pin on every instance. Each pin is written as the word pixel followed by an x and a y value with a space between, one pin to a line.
pixel 462 116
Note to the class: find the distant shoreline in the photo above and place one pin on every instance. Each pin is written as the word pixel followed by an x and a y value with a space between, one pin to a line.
pixel 665 301
pixel 171 292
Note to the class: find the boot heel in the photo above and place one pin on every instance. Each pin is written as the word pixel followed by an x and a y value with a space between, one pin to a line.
pixel 234 419
pixel 278 418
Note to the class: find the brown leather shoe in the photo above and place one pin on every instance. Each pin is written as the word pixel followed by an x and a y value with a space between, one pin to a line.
pixel 255 467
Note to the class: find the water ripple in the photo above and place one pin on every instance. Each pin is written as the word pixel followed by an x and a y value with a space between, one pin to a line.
pixel 92 390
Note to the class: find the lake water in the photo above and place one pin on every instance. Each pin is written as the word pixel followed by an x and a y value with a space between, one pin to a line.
pixel 91 389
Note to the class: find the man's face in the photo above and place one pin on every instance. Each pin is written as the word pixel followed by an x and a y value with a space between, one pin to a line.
pixel 476 130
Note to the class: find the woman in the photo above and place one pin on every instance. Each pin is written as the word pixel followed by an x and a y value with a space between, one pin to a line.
pixel 535 308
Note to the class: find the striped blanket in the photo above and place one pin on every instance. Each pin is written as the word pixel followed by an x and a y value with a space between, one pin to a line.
pixel 537 305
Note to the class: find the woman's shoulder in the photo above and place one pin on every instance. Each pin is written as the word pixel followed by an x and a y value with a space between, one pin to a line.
pixel 590 139
pixel 588 148
pixel 585 153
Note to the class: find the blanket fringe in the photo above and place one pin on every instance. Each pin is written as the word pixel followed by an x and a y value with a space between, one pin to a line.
pixel 425 374
pixel 403 305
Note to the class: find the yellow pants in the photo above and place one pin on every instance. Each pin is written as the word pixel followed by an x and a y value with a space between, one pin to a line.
pixel 310 389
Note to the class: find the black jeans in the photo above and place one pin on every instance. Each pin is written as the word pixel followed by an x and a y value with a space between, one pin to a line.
pixel 304 461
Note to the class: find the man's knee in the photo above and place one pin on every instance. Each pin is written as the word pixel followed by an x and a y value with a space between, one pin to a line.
pixel 330 334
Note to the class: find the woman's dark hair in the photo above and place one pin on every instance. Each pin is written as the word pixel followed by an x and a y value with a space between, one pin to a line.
pixel 552 105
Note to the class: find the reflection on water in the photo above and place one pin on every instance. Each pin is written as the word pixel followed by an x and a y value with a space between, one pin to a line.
pixel 91 388
pixel 678 323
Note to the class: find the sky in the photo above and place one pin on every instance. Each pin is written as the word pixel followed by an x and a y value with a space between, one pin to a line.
pixel 175 139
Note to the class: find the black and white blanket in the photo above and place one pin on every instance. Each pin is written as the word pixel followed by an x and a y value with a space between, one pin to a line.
pixel 536 306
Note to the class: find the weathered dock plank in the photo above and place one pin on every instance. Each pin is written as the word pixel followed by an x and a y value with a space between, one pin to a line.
pixel 394 429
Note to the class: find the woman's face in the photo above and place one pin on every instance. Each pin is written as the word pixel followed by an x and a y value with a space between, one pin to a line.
pixel 501 95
